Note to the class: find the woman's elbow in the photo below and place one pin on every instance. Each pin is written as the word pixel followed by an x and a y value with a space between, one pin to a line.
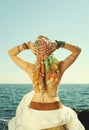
pixel 79 49
pixel 10 53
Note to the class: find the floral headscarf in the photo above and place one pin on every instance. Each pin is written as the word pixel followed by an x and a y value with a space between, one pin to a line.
pixel 45 70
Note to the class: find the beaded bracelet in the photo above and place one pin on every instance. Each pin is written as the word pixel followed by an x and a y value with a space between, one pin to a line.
pixel 25 46
pixel 60 44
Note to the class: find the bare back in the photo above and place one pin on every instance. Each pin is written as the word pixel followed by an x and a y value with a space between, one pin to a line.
pixel 50 94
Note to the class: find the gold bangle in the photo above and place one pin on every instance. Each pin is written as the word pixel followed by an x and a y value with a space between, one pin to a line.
pixel 18 48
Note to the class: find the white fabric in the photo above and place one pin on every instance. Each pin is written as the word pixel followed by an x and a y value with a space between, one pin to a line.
pixel 30 119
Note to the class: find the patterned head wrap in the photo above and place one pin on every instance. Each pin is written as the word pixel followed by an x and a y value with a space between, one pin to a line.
pixel 42 44
pixel 45 70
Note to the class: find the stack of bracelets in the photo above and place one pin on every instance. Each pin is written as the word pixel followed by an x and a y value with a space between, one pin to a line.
pixel 25 47
pixel 60 43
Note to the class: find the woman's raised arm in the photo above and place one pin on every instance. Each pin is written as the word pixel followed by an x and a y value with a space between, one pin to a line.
pixel 13 53
pixel 75 51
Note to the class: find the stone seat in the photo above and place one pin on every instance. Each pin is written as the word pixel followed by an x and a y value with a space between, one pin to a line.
pixel 56 128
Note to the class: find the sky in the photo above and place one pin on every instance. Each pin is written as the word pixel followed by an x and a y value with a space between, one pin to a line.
pixel 24 20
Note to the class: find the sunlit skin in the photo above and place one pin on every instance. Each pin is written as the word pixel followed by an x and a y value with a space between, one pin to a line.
pixel 50 95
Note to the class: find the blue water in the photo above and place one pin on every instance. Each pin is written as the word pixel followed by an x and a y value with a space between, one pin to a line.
pixel 72 95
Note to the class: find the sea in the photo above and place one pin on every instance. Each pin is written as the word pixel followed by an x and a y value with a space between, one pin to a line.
pixel 75 96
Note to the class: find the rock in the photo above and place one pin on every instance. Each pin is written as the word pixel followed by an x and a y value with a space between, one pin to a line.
pixel 84 118
pixel 3 124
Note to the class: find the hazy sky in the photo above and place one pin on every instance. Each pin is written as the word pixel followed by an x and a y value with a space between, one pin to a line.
pixel 24 20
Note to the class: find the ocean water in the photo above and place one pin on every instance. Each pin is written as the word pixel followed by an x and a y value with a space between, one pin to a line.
pixel 73 95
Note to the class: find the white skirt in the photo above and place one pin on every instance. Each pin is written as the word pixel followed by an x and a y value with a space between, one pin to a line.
pixel 31 119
